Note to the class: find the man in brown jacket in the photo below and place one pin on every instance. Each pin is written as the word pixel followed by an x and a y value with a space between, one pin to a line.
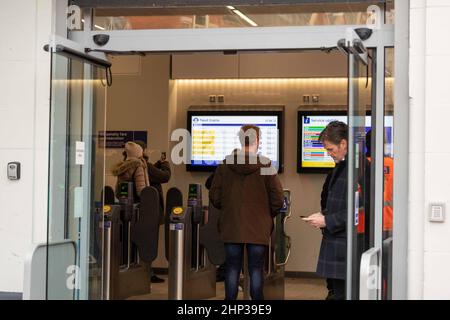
pixel 249 199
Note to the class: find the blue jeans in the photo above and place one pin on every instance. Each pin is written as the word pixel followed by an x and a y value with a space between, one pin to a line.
pixel 233 265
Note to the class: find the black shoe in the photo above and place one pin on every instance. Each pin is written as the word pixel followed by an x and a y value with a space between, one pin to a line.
pixel 155 279
pixel 330 295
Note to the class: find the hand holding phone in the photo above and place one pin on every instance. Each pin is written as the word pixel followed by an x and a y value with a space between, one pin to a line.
pixel 317 220
pixel 305 218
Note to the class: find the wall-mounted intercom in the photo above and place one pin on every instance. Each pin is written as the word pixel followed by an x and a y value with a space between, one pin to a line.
pixel 14 170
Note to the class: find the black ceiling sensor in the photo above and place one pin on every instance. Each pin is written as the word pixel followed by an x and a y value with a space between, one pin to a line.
pixel 230 52
pixel 364 33
pixel 101 39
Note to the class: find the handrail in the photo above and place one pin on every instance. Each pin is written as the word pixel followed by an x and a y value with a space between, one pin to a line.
pixel 369 273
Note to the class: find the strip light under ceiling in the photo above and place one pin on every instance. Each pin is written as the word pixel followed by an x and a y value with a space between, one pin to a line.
pixel 242 16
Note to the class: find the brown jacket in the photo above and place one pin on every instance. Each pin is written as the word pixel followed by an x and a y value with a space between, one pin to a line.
pixel 247 199
pixel 132 170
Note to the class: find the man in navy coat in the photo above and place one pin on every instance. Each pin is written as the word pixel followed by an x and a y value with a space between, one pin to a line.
pixel 333 218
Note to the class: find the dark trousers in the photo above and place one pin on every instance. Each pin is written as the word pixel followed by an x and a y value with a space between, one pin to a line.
pixel 336 289
pixel 220 272
pixel 330 289
pixel 234 253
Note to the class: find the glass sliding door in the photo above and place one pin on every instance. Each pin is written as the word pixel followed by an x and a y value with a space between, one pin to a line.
pixel 370 173
pixel 388 178
pixel 76 168
pixel 359 223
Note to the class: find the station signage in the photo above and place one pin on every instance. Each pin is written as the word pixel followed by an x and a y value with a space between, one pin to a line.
pixel 117 139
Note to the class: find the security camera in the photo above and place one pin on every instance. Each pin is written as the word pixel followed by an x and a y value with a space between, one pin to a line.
pixel 364 33
pixel 101 39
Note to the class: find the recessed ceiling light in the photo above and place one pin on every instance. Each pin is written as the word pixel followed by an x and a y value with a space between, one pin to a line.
pixel 244 17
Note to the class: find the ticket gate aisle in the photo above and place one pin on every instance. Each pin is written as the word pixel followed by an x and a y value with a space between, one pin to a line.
pixel 194 249
pixel 131 237
pixel 277 256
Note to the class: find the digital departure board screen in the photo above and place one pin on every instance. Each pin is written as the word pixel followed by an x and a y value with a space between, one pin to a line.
pixel 312 157
pixel 214 135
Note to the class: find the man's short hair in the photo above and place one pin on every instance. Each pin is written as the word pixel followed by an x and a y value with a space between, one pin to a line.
pixel 334 133
pixel 249 134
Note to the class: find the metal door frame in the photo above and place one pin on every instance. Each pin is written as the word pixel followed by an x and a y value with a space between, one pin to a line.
pixel 73 50
pixel 294 38
pixel 378 98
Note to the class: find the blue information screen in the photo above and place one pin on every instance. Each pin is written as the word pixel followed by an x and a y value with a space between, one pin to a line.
pixel 313 154
pixel 216 136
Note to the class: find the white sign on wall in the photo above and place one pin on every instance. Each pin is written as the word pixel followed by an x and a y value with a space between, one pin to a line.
pixel 79 153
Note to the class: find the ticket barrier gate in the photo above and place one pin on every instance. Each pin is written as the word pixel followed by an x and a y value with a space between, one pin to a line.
pixel 174 198
pixel 194 249
pixel 277 256
pixel 131 234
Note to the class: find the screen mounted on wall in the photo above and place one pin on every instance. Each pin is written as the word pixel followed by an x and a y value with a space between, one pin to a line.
pixel 214 135
pixel 312 157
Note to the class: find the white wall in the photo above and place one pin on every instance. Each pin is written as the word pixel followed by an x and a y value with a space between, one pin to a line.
pixel 429 245
pixel 25 26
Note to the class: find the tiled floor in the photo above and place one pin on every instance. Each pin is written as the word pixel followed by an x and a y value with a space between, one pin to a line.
pixel 295 289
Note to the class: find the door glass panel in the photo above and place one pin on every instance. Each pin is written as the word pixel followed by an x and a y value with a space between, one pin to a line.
pixel 388 173
pixel 390 13
pixel 359 224
pixel 74 240
pixel 238 16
